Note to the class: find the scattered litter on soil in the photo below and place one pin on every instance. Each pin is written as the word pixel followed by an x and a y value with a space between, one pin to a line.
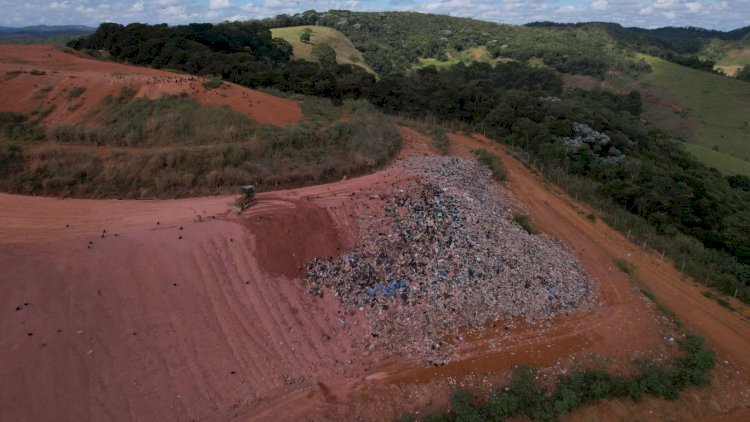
pixel 446 255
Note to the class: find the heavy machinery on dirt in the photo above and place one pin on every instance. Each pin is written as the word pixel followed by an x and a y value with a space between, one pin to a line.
pixel 245 200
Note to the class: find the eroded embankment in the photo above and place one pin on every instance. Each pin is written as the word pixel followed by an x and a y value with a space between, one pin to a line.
pixel 67 87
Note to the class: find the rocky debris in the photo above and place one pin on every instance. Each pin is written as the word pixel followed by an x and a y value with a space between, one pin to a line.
pixel 446 255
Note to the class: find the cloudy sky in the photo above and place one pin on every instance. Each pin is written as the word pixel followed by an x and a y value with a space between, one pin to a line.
pixel 714 14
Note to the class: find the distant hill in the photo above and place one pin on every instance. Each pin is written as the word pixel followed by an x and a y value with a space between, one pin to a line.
pixel 708 111
pixel 728 56
pixel 715 111
pixel 43 33
pixel 345 51
pixel 705 109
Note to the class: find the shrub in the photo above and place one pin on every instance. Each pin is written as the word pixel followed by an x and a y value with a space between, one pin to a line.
pixel 213 84
pixel 440 139
pixel 37 72
pixel 126 93
pixel 202 150
pixel 718 300
pixel 523 221
pixel 648 293
pixel 524 397
pixel 591 217
pixel 76 92
pixel 319 110
pixel 11 159
pixel 625 266
pixel 493 162
pixel 724 303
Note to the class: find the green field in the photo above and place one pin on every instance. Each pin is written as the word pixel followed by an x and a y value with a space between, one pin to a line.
pixel 729 56
pixel 474 54
pixel 345 51
pixel 716 112
pixel 719 160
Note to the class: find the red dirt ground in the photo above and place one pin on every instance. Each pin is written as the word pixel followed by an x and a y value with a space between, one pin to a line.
pixel 216 325
pixel 25 92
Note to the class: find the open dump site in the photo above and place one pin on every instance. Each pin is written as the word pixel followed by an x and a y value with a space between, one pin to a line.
pixel 353 300
pixel 363 297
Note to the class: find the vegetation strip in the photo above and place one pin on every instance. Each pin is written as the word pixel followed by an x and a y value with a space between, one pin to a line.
pixel 493 162
pixel 524 397
pixel 174 147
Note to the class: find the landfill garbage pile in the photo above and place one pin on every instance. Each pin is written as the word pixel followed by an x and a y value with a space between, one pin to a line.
pixel 446 255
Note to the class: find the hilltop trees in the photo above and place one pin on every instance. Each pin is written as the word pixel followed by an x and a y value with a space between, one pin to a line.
pixel 194 48
pixel 304 36
pixel 743 74
pixel 324 54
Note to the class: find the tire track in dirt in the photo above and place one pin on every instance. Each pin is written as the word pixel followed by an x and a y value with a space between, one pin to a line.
pixel 203 257
pixel 161 351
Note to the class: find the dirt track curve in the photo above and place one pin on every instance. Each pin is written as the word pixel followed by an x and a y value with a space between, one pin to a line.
pixel 165 318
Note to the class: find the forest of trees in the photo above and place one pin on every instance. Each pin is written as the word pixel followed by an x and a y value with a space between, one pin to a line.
pixel 392 42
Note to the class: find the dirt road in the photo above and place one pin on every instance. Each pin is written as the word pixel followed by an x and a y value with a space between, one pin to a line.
pixel 597 244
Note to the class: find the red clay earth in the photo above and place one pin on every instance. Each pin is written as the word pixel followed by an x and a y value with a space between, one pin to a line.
pixel 165 318
pixel 68 69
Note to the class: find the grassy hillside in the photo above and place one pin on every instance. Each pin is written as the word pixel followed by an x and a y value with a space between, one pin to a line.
pixel 175 147
pixel 726 163
pixel 729 56
pixel 345 51
pixel 715 111
pixel 474 54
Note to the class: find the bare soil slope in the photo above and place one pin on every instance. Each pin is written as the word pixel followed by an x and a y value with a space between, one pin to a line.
pixel 41 79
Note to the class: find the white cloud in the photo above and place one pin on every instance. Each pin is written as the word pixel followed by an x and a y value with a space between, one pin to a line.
pixel 694 6
pixel 599 5
pixel 721 14
pixel 219 4
pixel 58 5
pixel 664 4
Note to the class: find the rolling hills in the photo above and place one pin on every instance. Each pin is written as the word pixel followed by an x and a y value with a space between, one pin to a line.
pixel 730 56
pixel 43 33
pixel 713 112
pixel 708 111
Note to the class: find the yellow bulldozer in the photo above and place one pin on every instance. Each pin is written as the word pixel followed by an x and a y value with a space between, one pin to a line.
pixel 245 200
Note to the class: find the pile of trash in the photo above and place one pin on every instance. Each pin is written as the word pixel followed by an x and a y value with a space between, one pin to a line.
pixel 445 255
